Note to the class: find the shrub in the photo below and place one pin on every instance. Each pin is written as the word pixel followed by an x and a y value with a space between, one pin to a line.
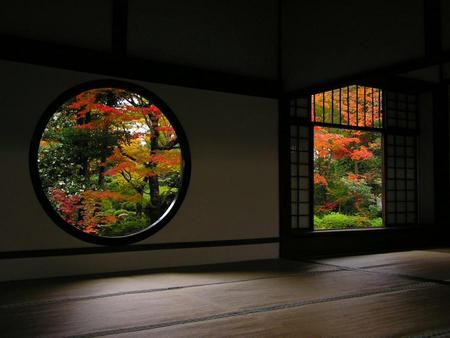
pixel 123 211
pixel 377 222
pixel 337 220
pixel 129 225
pixel 317 222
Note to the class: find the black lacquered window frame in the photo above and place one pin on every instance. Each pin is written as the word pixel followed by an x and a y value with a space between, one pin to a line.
pixel 400 159
pixel 404 124
pixel 36 181
pixel 299 119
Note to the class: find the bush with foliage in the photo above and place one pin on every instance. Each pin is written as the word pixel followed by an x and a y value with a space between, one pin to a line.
pixel 337 221
pixel 109 162
pixel 347 168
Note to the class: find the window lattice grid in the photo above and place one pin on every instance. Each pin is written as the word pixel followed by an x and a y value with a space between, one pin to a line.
pixel 300 164
pixel 401 180
pixel 401 110
pixel 299 108
pixel 355 106
pixel 394 111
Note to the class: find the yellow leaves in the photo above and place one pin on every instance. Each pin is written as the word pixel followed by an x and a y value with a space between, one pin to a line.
pixel 43 144
pixel 137 149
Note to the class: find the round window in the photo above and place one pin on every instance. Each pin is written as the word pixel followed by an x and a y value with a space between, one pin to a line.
pixel 109 162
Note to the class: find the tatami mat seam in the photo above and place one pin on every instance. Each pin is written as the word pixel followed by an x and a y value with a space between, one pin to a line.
pixel 367 270
pixel 132 292
pixel 386 290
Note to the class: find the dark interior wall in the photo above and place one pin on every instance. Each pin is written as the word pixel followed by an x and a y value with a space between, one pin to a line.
pixel 445 21
pixel 83 23
pixel 233 192
pixel 238 37
pixel 341 38
pixel 232 36
pixel 425 160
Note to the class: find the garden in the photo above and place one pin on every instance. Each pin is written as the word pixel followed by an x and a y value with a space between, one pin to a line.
pixel 348 160
pixel 110 162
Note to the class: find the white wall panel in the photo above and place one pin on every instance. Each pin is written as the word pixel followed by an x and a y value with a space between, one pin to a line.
pixel 233 192
pixel 44 267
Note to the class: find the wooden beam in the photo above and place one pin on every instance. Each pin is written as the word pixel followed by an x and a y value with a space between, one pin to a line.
pixel 85 60
pixel 378 75
pixel 133 248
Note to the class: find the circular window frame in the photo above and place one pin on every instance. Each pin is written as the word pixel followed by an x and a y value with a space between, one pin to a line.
pixel 36 180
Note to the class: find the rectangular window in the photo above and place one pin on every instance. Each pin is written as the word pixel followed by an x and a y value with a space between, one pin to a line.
pixel 348 180
pixel 348 190
pixel 352 159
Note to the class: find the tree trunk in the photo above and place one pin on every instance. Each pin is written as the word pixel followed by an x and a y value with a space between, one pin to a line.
pixel 85 170
pixel 153 185
pixel 84 161
pixel 153 181
pixel 101 171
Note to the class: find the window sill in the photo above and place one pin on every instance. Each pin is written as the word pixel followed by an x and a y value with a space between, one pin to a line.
pixel 350 232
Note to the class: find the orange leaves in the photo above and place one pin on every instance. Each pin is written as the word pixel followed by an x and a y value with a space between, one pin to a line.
pixel 91 215
pixel 110 219
pixel 134 198
pixel 328 144
pixel 320 180
pixel 90 208
pixel 167 129
pixel 90 125
pixel 146 172
pixel 99 195
pixel 361 154
pixel 83 99
pixel 119 113
pixel 122 166
pixel 342 146
pixel 151 110
pixel 355 177
pixel 351 105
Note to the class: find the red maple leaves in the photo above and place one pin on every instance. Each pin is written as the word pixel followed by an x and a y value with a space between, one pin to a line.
pixel 339 146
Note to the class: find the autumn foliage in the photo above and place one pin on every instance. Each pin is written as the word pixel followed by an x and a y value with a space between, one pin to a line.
pixel 110 162
pixel 347 162
pixel 356 106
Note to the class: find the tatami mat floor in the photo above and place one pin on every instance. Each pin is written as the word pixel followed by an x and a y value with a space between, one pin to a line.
pixel 384 295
